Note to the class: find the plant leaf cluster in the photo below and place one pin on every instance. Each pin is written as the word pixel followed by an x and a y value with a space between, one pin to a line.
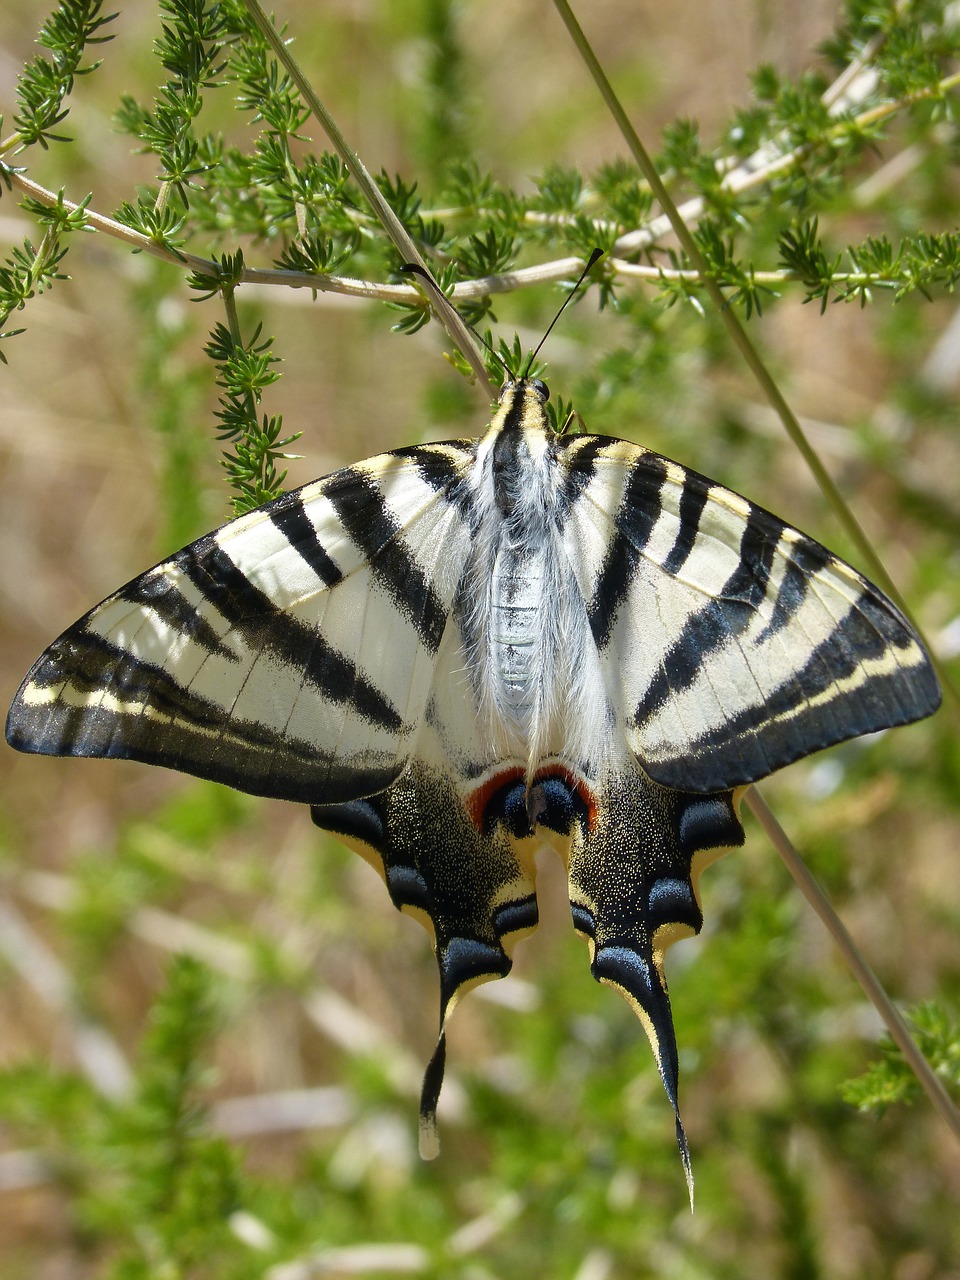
pixel 32 269
pixel 927 263
pixel 146 1169
pixel 889 1080
pixel 45 83
pixel 245 368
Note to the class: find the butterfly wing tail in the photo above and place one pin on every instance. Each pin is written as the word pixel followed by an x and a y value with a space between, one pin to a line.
pixel 637 973
pixel 452 866
pixel 635 862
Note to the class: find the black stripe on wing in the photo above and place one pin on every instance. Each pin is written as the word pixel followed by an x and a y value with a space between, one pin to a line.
pixel 633 524
pixel 438 468
pixel 693 499
pixel 172 608
pixel 290 517
pixel 262 626
pixel 720 619
pixel 167 724
pixel 363 512
pixel 807 558
pixel 580 454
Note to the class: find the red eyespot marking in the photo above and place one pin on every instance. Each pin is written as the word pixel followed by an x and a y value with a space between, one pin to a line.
pixel 478 801
pixel 502 797
pixel 576 784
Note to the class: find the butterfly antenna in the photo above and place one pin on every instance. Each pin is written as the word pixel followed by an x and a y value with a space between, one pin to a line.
pixel 594 259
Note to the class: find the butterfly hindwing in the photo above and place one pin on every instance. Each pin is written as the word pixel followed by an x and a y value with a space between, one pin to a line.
pixel 732 644
pixel 635 861
pixel 290 653
pixel 453 842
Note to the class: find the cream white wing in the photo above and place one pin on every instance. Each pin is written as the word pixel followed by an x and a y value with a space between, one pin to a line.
pixel 289 654
pixel 731 644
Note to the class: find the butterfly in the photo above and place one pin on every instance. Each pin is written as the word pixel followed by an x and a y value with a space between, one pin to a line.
pixel 457 652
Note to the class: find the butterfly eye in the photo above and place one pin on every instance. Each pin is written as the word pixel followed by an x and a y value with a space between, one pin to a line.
pixel 541 388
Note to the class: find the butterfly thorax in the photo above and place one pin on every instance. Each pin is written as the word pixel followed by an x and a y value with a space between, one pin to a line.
pixel 518 631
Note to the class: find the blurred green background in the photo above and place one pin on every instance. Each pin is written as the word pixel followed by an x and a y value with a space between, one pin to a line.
pixel 258 1114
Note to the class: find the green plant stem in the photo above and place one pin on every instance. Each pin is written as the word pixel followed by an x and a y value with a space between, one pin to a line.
pixel 869 983
pixel 405 245
pixel 233 323
pixel 738 334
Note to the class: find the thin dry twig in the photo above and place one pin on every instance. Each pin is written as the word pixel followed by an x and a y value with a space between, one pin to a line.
pixel 854 959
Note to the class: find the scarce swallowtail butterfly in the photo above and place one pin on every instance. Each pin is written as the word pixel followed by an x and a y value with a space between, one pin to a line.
pixel 457 652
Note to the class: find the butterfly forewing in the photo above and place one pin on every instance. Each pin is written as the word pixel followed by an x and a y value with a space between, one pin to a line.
pixel 731 643
pixel 290 653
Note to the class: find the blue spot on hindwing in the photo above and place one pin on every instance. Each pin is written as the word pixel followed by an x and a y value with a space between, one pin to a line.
pixel 514 917
pixel 583 920
pixel 464 959
pixel 408 888
pixel 708 822
pixel 671 901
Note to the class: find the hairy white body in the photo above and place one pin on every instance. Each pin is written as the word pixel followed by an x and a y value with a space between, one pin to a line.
pixel 535 672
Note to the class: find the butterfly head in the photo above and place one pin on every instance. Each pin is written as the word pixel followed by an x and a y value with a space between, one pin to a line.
pixel 524 387
pixel 522 406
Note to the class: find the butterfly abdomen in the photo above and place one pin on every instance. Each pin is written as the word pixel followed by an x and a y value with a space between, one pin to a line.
pixel 523 632
pixel 515 631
